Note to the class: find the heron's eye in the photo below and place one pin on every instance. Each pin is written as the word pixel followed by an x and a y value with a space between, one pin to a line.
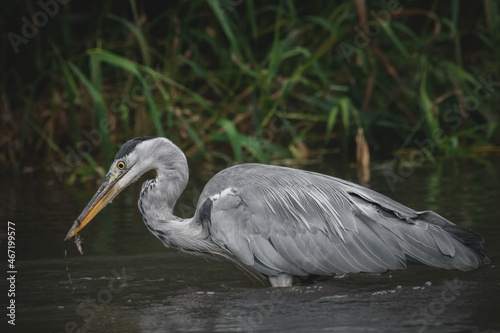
pixel 120 165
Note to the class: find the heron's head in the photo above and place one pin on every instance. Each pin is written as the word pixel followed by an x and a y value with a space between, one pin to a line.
pixel 136 157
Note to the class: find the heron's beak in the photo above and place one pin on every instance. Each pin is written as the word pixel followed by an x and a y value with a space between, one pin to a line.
pixel 109 189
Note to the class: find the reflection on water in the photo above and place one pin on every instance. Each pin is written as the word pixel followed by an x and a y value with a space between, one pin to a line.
pixel 128 282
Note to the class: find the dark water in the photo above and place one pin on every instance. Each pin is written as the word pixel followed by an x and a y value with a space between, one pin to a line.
pixel 128 282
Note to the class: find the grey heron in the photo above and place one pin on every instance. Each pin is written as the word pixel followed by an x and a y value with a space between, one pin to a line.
pixel 282 223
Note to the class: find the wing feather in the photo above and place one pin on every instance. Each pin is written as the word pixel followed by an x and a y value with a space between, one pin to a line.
pixel 280 220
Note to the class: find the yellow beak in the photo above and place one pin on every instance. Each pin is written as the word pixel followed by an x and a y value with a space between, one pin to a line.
pixel 107 192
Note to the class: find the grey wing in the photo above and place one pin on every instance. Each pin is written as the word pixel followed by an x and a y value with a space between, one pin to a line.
pixel 303 223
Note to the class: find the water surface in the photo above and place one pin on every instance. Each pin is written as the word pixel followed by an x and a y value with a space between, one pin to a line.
pixel 127 281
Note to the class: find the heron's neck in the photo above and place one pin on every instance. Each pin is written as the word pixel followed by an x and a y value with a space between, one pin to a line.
pixel 157 200
pixel 156 203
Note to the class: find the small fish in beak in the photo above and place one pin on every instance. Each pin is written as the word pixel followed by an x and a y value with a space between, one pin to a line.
pixel 78 242
pixel 108 190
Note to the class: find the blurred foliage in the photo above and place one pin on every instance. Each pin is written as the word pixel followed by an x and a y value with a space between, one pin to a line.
pixel 238 80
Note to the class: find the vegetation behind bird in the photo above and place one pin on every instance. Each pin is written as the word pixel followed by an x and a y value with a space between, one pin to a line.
pixel 259 81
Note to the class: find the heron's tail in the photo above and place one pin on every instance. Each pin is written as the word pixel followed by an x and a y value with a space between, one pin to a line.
pixel 466 236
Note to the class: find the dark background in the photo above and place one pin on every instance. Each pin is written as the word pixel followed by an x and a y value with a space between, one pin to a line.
pixel 246 81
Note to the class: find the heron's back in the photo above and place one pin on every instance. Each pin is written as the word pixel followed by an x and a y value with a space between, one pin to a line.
pixel 282 220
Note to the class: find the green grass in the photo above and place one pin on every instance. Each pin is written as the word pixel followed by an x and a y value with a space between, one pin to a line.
pixel 254 81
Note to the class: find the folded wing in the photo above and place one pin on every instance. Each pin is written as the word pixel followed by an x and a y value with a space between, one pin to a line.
pixel 280 220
